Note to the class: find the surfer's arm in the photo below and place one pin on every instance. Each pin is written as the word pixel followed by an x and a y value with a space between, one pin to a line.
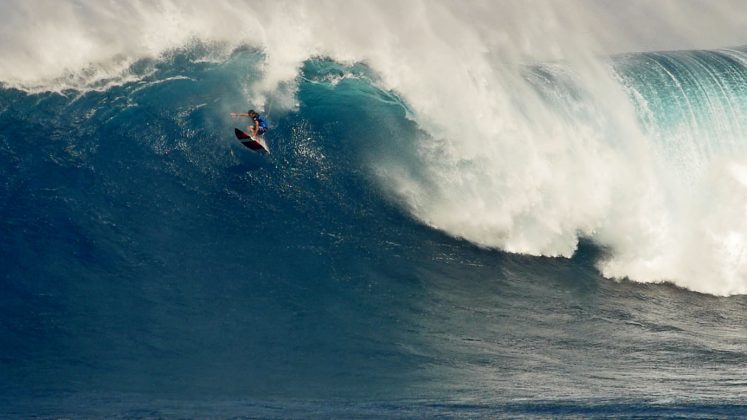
pixel 239 114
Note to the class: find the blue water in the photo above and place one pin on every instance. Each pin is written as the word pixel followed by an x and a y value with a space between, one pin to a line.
pixel 150 266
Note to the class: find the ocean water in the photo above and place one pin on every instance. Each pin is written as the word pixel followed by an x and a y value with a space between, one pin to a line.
pixel 528 233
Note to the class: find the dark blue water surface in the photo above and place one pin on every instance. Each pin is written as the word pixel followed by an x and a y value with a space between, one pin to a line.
pixel 150 266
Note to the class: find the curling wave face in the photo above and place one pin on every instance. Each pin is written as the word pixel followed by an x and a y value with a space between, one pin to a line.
pixel 533 133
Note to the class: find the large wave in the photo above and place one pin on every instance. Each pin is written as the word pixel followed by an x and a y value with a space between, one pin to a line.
pixel 534 130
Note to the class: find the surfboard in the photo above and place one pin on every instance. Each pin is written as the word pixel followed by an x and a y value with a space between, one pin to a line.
pixel 251 143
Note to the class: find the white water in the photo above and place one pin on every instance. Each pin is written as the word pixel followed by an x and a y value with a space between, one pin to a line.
pixel 503 169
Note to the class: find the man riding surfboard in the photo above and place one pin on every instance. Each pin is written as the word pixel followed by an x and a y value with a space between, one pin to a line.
pixel 258 128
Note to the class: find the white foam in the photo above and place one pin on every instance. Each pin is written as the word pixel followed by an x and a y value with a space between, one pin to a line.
pixel 48 45
pixel 501 168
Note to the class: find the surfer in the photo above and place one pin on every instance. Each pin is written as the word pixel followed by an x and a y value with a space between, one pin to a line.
pixel 260 125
